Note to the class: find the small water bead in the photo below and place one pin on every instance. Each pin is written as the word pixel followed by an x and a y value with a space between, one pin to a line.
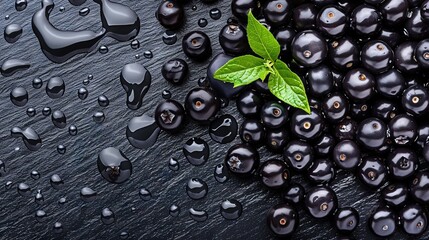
pixel 61 149
pixel 203 82
pixel 2 168
pixel 55 87
pixel 8 185
pixel 59 119
pixel 166 94
pixel 90 77
pixel 19 96
pixel 37 83
pixel 194 8
pixel 24 190
pixel 6 17
pixel 169 37
pixel 39 199
pixel 84 11
pixel 221 173
pixel 12 32
pixel 142 132
pixel 58 227
pixel 223 129
pixel 62 200
pixel 103 101
pixel 231 209
pixel 196 151
pixel 103 49
pixel 173 164
pixel 145 195
pixel 107 216
pixel 196 188
pixel 135 44
pixel 174 210
pixel 148 54
pixel 40 215
pixel 46 111
pixel 82 93
pixel 87 194
pixel 202 22
pixel 124 235
pixel 113 165
pixel 62 9
pixel 215 14
pixel 98 117
pixel 224 102
pixel 35 175
pixel 56 182
pixel 198 215
pixel 137 56
pixel 17 148
pixel 72 130
pixel 31 112
pixel 20 5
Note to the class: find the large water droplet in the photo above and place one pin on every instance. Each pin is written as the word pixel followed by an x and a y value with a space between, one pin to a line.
pixel 82 93
pixel 223 129
pixel 107 216
pixel 12 32
pixel 19 96
pixel 11 66
pixel 20 5
pixel 24 190
pixel 55 87
pixel 103 101
pixel 196 151
pixel 215 13
pixel 196 188
pixel 113 165
pixel 169 37
pixel 30 137
pixel 87 194
pixel 221 173
pixel 56 182
pixel 59 119
pixel 135 80
pixel 142 132
pixel 198 215
pixel 145 195
pixel 231 209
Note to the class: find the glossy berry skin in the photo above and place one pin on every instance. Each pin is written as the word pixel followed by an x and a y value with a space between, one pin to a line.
pixel 335 107
pixel 391 37
pixel 423 135
pixel 365 20
pixel 415 100
pixel 249 104
pixel 382 222
pixel 175 71
pixel 293 193
pixel 233 39
pixel 284 35
pixel 384 109
pixel 377 56
pixel 321 202
pixel 304 16
pixel 394 11
pixel 261 87
pixel 321 171
pixel 274 174
pixel 346 219
pixel 321 3
pixel 425 152
pixel 395 195
pixel 170 116
pixel 344 53
pixel 307 126
pixel 415 27
pixel 274 114
pixel 283 220
pixel 277 12
pixel 242 160
pixel 402 163
pixel 170 14
pixel 201 104
pixel 360 111
pixel 252 132
pixel 319 81
pixel 276 139
pixel 372 172
pixel 324 144
pixel 332 21
pixel 419 187
pixel 346 154
pixel 346 129
pixel 413 219
pixel 390 84
pixel 403 129
pixel 197 46
pixel 358 84
pixel 298 155
pixel 240 8
pixel 424 11
pixel 404 57
pixel 421 53
pixel 309 48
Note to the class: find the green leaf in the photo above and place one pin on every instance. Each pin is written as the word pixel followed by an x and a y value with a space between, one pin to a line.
pixel 242 70
pixel 288 87
pixel 261 40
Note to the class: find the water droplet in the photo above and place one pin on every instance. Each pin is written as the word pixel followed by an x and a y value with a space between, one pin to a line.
pixel 46 111
pixel 142 132
pixel 223 129
pixel 31 112
pixel 103 101
pixel 73 130
pixel 90 77
pixel 124 235
pixel 84 11
pixel 203 82
pixel 194 8
pixel 113 165
pixel 174 210
pixel 8 185
pixel 30 137
pixel 11 66
pixel 24 190
pixel 137 56
pixel 221 173
pixel 145 195
pixel 98 117
pixel 20 5
pixel 61 149
pixel 196 151
pixel 37 83
pixel 35 175
pixel 39 199
pixel 62 9
pixel 135 80
pixel 169 37
pixel 82 93
pixel 77 2
pixel 107 216
pixel 19 96
pixel 62 200
pixel 12 32
pixel 166 94
pixel 40 215
pixel 55 87
pixel 87 194
pixel 59 119
pixel 103 49
pixel 135 44
pixel 6 17
pixel 148 54
pixel 58 227
pixel 173 164
pixel 56 182
pixel 196 188
pixel 231 209
pixel 198 215
pixel 17 148
pixel 215 14
pixel 202 22
pixel 2 168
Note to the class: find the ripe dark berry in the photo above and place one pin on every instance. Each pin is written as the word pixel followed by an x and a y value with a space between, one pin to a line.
pixel 321 171
pixel 359 84
pixel 283 220
pixel 335 107
pixel 298 155
pixel 391 37
pixel 274 114
pixel 415 100
pixel 403 129
pixel 277 12
pixel 376 56
pixel 304 16
pixel 242 159
pixel 359 111
pixel 419 188
pixel 390 84
pixel 252 132
pixel 346 154
pixel 240 8
pixel 249 104
pixel 309 48
pixel 344 53
pixel 284 36
pixel 424 11
pixel 415 27
pixel 394 11
pixel 320 81
pixel 365 20
pixel 175 71
pixel 170 14
pixel 170 115
pixel 423 135
pixel 233 39
pixel 346 129
pixel 276 139
pixel 324 145
pixel 382 222
pixel 346 219
pixel 294 193
pixel 384 109
pixel 321 202
pixel 332 21
pixel 402 163
pixel 404 57
pixel 274 174
pixel 421 53
pixel 413 219
pixel 197 46
pixel 372 172
pixel 307 126
pixel 395 195
pixel 201 104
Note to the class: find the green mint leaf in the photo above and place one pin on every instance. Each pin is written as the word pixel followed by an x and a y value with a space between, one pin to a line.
pixel 288 87
pixel 261 40
pixel 242 70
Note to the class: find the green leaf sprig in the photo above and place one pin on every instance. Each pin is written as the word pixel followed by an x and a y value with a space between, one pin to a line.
pixel 282 82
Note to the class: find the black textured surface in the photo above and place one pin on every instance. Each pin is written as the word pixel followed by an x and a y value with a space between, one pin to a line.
pixel 77 167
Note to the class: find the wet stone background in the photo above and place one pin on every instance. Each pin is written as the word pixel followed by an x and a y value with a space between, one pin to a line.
pixel 140 219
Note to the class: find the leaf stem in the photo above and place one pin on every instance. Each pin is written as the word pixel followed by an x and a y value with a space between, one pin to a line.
pixel 269 65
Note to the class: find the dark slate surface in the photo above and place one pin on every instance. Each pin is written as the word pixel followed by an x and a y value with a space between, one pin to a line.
pixel 142 220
